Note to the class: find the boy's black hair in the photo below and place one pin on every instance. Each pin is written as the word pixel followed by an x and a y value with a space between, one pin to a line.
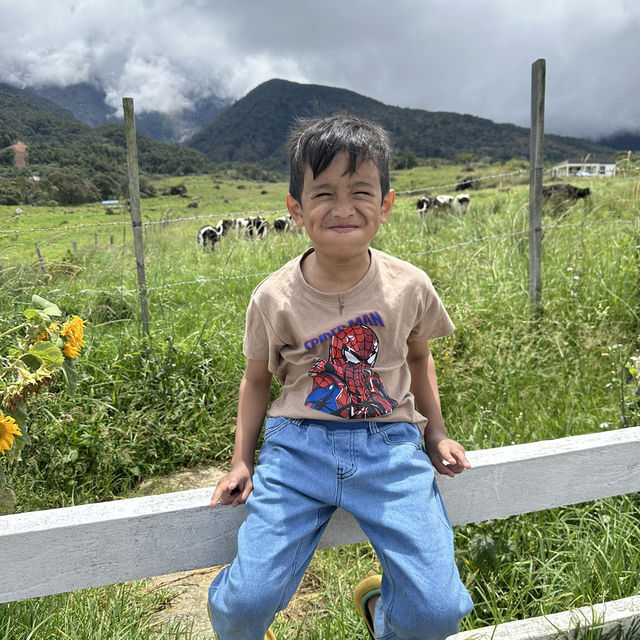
pixel 315 142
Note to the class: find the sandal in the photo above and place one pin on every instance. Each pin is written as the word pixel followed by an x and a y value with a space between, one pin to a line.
pixel 365 590
pixel 269 635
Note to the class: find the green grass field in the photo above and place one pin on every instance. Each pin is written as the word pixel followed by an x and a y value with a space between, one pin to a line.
pixel 147 407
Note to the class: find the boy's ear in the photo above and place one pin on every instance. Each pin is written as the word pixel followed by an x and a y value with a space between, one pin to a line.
pixel 295 210
pixel 387 205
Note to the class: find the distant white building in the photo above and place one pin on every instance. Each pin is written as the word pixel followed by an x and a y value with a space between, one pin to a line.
pixel 587 169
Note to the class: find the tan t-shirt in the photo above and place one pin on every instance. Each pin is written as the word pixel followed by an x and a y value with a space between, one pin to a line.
pixel 342 356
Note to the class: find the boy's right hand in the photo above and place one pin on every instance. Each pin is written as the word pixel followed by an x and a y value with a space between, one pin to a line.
pixel 233 488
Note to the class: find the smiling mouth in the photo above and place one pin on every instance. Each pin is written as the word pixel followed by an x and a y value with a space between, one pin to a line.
pixel 343 228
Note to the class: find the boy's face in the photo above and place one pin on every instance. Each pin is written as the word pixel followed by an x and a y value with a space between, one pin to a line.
pixel 341 212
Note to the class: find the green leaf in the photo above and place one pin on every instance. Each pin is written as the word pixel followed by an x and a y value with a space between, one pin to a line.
pixel 48 354
pixel 45 306
pixel 32 362
pixel 30 314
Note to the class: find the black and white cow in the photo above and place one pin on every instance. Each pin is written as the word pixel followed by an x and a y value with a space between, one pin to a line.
pixel 424 204
pixel 208 237
pixel 223 226
pixel 284 223
pixel 444 202
pixel 461 203
pixel 256 227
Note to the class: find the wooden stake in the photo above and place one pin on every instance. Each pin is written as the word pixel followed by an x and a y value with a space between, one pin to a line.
pixel 134 208
pixel 538 78
pixel 40 259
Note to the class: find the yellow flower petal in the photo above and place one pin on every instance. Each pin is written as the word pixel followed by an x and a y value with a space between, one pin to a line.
pixel 8 429
pixel 73 331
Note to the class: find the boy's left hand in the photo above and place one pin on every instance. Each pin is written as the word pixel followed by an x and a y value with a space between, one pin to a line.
pixel 447 456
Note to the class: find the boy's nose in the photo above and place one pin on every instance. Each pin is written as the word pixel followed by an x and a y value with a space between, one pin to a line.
pixel 343 207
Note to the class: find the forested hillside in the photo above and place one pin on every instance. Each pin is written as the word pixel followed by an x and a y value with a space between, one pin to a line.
pixel 77 163
pixel 255 128
pixel 74 162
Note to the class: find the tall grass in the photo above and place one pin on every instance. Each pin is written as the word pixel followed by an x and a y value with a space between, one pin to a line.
pixel 147 406
pixel 121 612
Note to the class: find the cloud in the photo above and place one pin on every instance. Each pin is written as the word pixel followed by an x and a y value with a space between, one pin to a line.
pixel 441 55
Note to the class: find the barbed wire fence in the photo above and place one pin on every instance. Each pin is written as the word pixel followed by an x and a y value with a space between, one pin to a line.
pixel 241 213
pixel 200 280
pixel 469 181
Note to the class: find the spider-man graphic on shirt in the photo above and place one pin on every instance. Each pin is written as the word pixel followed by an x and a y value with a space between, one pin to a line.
pixel 346 385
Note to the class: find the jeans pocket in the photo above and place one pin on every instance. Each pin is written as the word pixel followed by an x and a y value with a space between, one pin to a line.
pixel 399 433
pixel 274 425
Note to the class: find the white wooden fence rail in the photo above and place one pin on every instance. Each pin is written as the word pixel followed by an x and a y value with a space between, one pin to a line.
pixel 71 548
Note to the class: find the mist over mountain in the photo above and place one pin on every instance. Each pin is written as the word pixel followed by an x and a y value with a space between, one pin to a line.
pixel 88 102
pixel 623 140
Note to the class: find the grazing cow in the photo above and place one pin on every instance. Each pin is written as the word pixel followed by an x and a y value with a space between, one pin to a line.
pixel 239 224
pixel 443 201
pixel 256 226
pixel 282 224
pixel 208 237
pixel 464 184
pixel 565 192
pixel 423 205
pixel 461 203
pixel 224 225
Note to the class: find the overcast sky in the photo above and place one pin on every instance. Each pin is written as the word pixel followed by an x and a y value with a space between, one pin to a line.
pixel 466 56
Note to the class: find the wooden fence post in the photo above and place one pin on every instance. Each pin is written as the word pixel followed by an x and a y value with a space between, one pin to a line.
pixel 134 208
pixel 40 259
pixel 538 78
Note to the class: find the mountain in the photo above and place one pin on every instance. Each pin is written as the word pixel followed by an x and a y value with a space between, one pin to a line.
pixel 623 140
pixel 88 103
pixel 24 115
pixel 255 128
pixel 56 139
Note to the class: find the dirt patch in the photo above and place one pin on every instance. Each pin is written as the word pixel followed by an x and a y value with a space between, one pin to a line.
pixel 181 481
pixel 189 604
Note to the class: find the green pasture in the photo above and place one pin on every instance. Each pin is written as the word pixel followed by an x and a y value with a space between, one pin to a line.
pixel 207 199
pixel 148 406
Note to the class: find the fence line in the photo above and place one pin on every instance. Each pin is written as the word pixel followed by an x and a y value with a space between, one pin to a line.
pixel 245 213
pixel 203 280
pixel 208 216
pixel 465 180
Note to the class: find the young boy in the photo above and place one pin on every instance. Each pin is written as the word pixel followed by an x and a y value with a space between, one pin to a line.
pixel 346 329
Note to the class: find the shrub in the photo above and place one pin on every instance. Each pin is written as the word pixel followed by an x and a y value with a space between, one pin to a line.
pixel 68 188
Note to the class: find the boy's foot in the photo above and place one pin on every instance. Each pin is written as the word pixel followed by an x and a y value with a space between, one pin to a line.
pixel 364 591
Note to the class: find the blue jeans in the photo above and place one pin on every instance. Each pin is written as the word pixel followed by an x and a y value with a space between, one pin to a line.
pixel 379 473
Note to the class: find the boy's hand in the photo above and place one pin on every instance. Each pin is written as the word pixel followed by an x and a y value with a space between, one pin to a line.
pixel 447 456
pixel 234 487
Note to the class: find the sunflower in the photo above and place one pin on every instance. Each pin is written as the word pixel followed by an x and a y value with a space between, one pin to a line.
pixel 45 334
pixel 73 331
pixel 8 429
